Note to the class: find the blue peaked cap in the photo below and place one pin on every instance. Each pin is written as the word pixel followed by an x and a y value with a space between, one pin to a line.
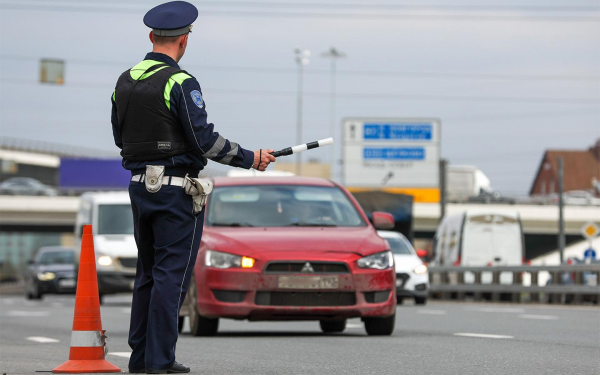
pixel 171 19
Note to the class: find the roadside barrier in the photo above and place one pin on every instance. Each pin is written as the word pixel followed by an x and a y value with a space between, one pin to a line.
pixel 88 347
pixel 543 284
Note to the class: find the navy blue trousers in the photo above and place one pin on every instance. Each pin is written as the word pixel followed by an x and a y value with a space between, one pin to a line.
pixel 168 235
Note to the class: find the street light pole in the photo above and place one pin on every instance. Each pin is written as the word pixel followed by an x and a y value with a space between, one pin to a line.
pixel 301 60
pixel 333 54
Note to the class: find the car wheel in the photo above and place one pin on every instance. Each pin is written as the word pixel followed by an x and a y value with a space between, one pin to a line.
pixel 399 300
pixel 180 323
pixel 101 298
pixel 380 326
pixel 200 326
pixel 333 326
pixel 421 300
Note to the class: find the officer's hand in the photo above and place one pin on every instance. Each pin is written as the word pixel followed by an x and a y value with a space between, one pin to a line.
pixel 262 159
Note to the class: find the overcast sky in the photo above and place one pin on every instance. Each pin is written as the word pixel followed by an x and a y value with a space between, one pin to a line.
pixel 508 79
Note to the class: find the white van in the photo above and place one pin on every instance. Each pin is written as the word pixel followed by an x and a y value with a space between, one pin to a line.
pixel 112 226
pixel 480 238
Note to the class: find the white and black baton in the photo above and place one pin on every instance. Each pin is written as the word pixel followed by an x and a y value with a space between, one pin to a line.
pixel 307 146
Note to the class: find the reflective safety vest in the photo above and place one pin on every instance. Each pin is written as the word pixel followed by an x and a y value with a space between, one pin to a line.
pixel 149 130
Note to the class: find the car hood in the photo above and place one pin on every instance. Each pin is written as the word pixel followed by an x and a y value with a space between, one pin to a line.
pixel 288 241
pixel 406 263
pixel 56 268
pixel 115 245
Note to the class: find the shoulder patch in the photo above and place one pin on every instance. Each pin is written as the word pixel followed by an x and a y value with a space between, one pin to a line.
pixel 197 98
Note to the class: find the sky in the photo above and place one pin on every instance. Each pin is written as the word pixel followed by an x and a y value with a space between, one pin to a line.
pixel 508 79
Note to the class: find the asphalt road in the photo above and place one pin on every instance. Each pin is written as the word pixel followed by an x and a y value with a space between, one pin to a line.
pixel 440 338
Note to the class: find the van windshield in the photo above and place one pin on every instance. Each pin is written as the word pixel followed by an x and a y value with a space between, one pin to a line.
pixel 281 206
pixel 115 219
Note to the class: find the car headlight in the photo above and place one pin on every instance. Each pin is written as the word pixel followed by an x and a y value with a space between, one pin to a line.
pixel 379 261
pixel 221 260
pixel 105 260
pixel 420 269
pixel 46 276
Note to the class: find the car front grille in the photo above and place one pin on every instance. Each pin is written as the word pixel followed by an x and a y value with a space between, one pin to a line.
pixel 128 262
pixel 311 299
pixel 300 267
pixel 401 279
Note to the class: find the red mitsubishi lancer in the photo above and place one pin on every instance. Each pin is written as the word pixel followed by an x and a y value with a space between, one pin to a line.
pixel 291 248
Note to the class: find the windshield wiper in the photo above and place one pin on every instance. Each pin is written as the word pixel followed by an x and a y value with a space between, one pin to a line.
pixel 232 225
pixel 297 224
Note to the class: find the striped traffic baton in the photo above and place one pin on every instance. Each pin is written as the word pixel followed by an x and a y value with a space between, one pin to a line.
pixel 307 146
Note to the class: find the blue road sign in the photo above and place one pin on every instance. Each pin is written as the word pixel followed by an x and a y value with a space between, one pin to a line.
pixel 395 153
pixel 404 131
pixel 589 253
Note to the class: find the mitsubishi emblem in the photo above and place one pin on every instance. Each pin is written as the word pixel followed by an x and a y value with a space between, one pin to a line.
pixel 307 268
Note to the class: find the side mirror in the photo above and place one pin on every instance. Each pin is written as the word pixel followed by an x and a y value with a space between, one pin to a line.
pixel 383 220
pixel 422 253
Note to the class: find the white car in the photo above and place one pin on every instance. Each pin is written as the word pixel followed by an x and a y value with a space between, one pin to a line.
pixel 412 277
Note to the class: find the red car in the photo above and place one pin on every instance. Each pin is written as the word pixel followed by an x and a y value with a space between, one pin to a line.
pixel 291 248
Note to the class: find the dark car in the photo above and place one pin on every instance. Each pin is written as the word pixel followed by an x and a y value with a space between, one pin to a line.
pixel 51 271
pixel 26 186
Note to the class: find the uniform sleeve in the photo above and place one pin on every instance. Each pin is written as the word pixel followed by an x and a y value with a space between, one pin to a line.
pixel 115 123
pixel 187 103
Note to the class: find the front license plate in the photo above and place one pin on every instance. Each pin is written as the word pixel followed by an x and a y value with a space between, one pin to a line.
pixel 308 282
pixel 66 283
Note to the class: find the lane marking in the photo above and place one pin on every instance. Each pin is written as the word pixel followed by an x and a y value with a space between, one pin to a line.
pixel 121 354
pixel 509 310
pixel 42 339
pixel 354 326
pixel 126 310
pixel 540 317
pixel 483 336
pixel 432 312
pixel 28 313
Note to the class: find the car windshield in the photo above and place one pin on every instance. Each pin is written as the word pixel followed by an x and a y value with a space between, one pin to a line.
pixel 281 206
pixel 398 246
pixel 57 257
pixel 115 219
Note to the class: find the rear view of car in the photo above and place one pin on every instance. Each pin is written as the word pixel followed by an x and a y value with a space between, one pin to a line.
pixel 412 277
pixel 291 248
pixel 51 271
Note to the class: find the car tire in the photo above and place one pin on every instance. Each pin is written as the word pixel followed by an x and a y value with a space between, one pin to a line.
pixel 101 298
pixel 421 300
pixel 200 325
pixel 380 326
pixel 180 323
pixel 399 300
pixel 333 326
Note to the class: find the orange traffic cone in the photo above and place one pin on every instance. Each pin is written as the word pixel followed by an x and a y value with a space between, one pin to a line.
pixel 87 339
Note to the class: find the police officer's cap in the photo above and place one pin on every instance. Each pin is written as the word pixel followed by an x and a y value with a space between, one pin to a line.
pixel 171 19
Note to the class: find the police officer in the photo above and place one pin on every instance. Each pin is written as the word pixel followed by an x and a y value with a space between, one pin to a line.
pixel 160 123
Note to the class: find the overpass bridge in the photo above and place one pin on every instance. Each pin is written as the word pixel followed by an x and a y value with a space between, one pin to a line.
pixel 40 212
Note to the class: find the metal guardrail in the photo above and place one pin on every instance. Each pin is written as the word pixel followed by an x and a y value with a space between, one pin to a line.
pixel 448 282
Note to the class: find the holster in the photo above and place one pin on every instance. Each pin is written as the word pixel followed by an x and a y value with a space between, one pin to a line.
pixel 199 189
pixel 154 177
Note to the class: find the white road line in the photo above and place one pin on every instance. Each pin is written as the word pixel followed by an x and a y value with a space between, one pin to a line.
pixel 432 312
pixel 508 310
pixel 354 326
pixel 483 336
pixel 126 310
pixel 41 339
pixel 540 317
pixel 121 354
pixel 28 313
